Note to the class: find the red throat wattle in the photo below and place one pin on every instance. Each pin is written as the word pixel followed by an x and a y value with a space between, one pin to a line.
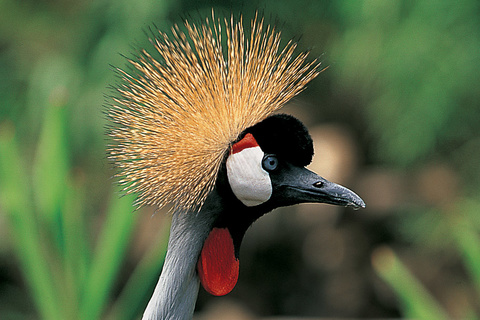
pixel 217 266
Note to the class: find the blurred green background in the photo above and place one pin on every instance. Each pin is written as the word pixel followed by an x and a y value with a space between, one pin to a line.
pixel 395 117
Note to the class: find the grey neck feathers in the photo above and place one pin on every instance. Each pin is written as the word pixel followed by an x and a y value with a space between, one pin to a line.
pixel 176 292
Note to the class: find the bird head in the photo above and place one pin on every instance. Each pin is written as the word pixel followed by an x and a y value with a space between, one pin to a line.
pixel 265 169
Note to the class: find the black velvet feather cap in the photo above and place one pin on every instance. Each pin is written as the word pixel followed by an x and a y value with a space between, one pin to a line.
pixel 284 136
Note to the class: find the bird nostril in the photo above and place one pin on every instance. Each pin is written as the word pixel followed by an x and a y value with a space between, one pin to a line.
pixel 318 184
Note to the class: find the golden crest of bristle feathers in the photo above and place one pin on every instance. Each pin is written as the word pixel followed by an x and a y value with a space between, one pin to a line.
pixel 174 118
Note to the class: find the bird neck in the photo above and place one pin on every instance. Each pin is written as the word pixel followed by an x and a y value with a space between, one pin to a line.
pixel 176 292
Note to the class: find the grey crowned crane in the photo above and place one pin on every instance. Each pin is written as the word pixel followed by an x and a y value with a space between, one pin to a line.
pixel 194 128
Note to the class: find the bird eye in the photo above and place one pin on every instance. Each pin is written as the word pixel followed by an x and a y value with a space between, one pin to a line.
pixel 270 162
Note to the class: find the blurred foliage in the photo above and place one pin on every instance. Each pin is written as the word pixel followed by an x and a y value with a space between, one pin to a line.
pixel 67 277
pixel 403 77
pixel 416 65
pixel 54 61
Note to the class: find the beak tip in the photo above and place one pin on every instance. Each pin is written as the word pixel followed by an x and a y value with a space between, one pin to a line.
pixel 358 204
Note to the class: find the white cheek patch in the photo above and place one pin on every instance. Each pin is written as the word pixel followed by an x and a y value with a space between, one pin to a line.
pixel 249 181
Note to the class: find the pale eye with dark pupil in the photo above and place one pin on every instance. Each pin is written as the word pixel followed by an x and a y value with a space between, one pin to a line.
pixel 270 162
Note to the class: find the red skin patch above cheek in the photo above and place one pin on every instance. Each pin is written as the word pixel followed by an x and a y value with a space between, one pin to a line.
pixel 247 142
pixel 217 266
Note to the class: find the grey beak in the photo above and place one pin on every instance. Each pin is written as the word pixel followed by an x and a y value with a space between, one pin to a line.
pixel 303 185
pixel 332 193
